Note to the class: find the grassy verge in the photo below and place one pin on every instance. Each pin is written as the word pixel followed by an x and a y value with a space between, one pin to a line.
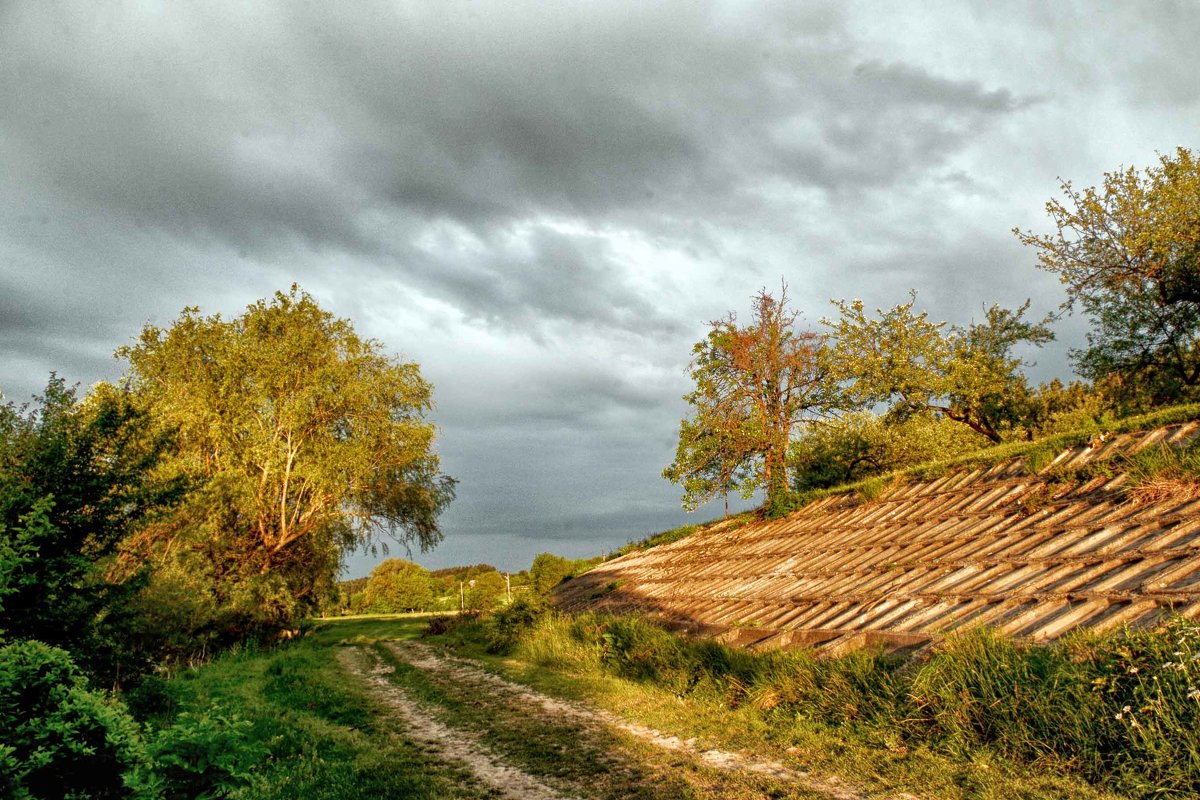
pixel 286 723
pixel 983 716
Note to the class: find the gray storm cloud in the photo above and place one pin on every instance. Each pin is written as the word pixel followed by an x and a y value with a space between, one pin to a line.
pixel 544 203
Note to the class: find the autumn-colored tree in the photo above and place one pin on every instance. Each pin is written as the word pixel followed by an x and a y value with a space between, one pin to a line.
pixel 903 360
pixel 754 385
pixel 302 440
pixel 1128 253
pixel 399 585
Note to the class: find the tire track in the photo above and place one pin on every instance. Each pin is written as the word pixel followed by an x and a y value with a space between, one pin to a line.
pixel 463 672
pixel 449 744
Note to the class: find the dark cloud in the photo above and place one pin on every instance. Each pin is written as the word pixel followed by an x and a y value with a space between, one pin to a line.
pixel 543 203
pixel 334 123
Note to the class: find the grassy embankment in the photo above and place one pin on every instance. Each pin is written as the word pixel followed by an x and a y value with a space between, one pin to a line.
pixel 983 718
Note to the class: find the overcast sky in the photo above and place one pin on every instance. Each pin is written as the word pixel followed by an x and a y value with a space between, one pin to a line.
pixel 543 203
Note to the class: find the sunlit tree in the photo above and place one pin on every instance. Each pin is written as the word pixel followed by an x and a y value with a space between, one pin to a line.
pixel 302 441
pixel 1128 253
pixel 754 384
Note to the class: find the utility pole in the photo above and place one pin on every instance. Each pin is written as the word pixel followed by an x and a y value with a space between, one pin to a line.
pixel 462 598
pixel 507 587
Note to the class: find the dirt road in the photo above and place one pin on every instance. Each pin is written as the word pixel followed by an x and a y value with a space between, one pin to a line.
pixel 521 743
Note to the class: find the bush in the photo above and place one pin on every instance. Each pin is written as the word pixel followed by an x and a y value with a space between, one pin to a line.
pixel 484 591
pixel 60 739
pixel 506 627
pixel 447 623
pixel 205 755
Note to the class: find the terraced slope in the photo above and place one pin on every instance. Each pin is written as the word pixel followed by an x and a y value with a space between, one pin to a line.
pixel 1031 555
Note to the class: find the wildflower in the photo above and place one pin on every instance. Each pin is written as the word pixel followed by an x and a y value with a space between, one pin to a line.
pixel 1133 670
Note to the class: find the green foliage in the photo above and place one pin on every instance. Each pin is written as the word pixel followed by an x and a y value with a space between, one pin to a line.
pixel 902 359
pixel 1128 252
pixel 303 441
pixel 77 480
pixel 485 591
pixel 1163 461
pixel 754 385
pixel 1121 709
pixel 506 627
pixel 205 754
pixel 862 444
pixel 549 570
pixel 58 737
pixel 302 730
pixel 981 689
pixel 398 585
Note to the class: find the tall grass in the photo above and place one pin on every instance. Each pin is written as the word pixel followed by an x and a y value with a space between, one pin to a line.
pixel 1121 709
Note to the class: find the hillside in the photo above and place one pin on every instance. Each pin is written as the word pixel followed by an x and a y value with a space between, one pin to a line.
pixel 1034 555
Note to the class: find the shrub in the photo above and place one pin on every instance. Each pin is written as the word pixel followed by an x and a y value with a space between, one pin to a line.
pixel 205 755
pixel 484 592
pixel 58 738
pixel 506 627
pixel 447 623
pixel 399 585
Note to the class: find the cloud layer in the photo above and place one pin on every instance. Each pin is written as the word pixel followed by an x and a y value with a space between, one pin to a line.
pixel 543 204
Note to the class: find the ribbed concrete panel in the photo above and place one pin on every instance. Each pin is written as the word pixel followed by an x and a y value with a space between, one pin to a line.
pixel 1028 555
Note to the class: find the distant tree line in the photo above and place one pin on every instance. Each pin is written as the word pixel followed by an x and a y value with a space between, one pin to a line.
pixel 396 585
pixel 784 409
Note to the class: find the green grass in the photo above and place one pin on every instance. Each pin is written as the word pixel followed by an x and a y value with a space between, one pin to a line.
pixel 980 716
pixel 316 730
pixel 682 532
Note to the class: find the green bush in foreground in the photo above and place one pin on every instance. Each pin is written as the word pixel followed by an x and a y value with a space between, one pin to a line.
pixel 205 754
pixel 1120 709
pixel 61 739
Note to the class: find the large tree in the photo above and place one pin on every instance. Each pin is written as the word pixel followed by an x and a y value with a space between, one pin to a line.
pixel 1128 253
pixel 901 359
pixel 302 440
pixel 755 384
pixel 399 585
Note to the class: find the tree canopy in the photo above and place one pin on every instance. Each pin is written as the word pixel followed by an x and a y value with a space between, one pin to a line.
pixel 302 440
pixel 1128 253
pixel 968 374
pixel 399 585
pixel 77 478
pixel 753 385
pixel 1139 232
